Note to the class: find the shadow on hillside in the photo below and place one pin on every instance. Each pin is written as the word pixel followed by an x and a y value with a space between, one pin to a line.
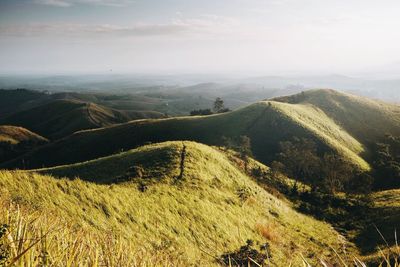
pixel 379 230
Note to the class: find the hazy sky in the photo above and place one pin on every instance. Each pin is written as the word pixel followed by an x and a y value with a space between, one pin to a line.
pixel 183 36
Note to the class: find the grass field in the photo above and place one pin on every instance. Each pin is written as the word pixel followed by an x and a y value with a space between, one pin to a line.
pixel 182 202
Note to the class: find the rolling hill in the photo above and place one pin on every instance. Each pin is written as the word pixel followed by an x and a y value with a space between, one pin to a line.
pixel 365 119
pixel 15 141
pixel 16 135
pixel 12 101
pixel 60 118
pixel 267 123
pixel 183 200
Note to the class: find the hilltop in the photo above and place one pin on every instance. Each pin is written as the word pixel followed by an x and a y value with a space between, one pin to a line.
pixel 183 199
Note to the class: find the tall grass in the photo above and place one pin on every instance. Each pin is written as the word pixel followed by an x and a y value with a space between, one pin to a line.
pixel 29 238
pixel 389 256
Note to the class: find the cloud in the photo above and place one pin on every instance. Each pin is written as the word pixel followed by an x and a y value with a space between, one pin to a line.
pixel 202 25
pixel 69 3
pixel 82 30
pixel 58 3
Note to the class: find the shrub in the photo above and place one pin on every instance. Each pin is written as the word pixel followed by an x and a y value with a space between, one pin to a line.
pixel 203 112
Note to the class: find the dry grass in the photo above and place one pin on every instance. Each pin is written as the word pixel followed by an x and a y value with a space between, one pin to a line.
pixel 269 231
pixel 15 135
pixel 31 238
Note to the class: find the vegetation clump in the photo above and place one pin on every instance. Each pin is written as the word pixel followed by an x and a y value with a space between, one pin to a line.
pixel 247 255
pixel 387 162
pixel 328 173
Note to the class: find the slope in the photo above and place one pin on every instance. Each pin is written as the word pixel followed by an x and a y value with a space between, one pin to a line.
pixel 365 119
pixel 267 123
pixel 12 101
pixel 187 200
pixel 15 135
pixel 17 140
pixel 60 118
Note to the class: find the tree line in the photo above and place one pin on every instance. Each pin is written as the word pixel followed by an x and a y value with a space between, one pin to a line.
pixel 218 107
pixel 299 159
pixel 326 172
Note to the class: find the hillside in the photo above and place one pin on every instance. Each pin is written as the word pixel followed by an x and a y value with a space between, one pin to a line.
pixel 363 118
pixel 17 140
pixel 182 199
pixel 267 123
pixel 12 101
pixel 60 118
pixel 15 135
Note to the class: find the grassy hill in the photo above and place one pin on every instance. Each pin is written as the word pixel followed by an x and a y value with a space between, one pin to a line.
pixel 15 135
pixel 60 118
pixel 17 140
pixel 267 123
pixel 183 200
pixel 363 118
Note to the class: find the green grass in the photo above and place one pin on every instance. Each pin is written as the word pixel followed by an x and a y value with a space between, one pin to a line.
pixel 363 118
pixel 194 217
pixel 316 121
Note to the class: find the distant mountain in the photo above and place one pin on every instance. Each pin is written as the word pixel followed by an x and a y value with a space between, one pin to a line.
pixel 12 101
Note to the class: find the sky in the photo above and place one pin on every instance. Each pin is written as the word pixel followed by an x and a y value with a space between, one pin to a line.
pixel 192 36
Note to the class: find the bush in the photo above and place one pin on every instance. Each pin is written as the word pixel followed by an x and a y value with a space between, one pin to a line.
pixel 203 112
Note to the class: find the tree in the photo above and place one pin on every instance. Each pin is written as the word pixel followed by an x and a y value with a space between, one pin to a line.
pixel 218 105
pixel 244 149
pixel 361 183
pixel 386 163
pixel 336 173
pixel 300 159
pixel 227 142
